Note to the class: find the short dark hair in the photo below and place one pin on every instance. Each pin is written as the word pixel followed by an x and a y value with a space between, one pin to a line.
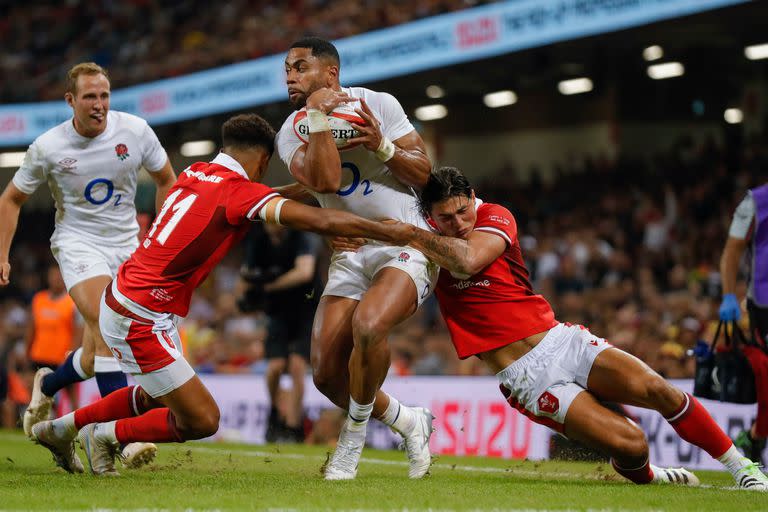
pixel 443 183
pixel 246 131
pixel 320 48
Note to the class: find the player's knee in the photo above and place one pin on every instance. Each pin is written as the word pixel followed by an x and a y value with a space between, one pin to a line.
pixel 368 330
pixel 205 425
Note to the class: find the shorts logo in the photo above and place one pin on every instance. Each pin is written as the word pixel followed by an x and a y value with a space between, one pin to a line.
pixel 425 292
pixel 122 151
pixel 404 257
pixel 548 403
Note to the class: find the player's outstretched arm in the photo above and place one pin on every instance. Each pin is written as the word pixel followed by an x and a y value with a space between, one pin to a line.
pixel 327 221
pixel 317 164
pixel 10 206
pixel 406 157
pixel 457 255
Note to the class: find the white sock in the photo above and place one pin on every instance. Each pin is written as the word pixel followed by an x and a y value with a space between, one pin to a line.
pixel 77 364
pixel 734 460
pixel 398 416
pixel 106 432
pixel 64 427
pixel 359 414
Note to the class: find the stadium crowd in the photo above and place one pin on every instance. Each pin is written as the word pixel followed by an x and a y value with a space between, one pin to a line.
pixel 144 40
pixel 628 248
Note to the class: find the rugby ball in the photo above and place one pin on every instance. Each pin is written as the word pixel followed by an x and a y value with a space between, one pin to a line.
pixel 340 120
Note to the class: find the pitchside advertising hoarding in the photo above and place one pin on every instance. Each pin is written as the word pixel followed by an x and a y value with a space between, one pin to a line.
pixel 471 418
pixel 437 41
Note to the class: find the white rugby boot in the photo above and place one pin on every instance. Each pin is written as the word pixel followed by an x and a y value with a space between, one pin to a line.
pixel 39 407
pixel 63 450
pixel 99 452
pixel 677 476
pixel 346 457
pixel 135 455
pixel 751 478
pixel 416 443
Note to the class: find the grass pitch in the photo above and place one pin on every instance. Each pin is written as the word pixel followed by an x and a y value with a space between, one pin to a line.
pixel 211 476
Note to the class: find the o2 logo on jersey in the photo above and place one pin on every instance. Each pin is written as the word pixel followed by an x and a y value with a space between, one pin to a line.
pixel 100 190
pixel 366 184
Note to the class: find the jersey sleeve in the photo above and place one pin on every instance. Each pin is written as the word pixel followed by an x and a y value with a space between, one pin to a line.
pixel 246 200
pixel 394 122
pixel 287 142
pixel 153 155
pixel 492 218
pixel 33 171
pixel 743 218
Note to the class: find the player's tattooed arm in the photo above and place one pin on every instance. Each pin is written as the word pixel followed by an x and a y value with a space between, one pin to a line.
pixel 457 255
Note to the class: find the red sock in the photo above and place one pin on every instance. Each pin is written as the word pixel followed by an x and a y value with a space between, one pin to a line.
pixel 759 362
pixel 693 423
pixel 157 425
pixel 116 405
pixel 641 475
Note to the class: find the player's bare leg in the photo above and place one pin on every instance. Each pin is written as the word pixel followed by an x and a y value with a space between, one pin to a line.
pixel 275 369
pixel 598 427
pixel 620 377
pixel 390 299
pixel 297 368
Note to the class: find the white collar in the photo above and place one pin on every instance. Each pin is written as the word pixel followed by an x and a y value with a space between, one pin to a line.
pixel 230 163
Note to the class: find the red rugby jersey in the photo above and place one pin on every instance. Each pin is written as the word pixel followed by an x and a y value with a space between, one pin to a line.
pixel 205 214
pixel 496 306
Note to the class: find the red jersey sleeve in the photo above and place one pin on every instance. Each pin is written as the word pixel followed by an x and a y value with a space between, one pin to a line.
pixel 493 218
pixel 246 200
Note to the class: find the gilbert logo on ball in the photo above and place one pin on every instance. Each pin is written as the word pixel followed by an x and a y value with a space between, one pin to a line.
pixel 340 120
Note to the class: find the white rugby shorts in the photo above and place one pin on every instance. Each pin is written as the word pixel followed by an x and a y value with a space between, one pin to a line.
pixel 145 343
pixel 80 259
pixel 350 273
pixel 544 382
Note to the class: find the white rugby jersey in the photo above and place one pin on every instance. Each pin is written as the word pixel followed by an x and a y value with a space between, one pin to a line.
pixel 93 180
pixel 368 188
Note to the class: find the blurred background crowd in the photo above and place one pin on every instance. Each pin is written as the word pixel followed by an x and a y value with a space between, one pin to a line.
pixel 143 40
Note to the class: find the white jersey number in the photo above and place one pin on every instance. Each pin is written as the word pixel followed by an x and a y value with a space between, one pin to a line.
pixel 179 209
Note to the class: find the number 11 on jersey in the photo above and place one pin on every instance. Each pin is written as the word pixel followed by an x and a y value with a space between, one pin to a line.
pixel 179 209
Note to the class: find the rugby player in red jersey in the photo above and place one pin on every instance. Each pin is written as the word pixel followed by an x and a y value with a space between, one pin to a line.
pixel 207 211
pixel 554 373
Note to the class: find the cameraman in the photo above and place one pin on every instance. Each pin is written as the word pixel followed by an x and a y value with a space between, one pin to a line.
pixel 749 229
pixel 280 268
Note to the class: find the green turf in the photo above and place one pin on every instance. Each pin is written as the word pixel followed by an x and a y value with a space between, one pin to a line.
pixel 236 477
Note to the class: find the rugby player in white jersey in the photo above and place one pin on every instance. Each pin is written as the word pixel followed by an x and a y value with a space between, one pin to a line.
pixel 91 163
pixel 376 288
